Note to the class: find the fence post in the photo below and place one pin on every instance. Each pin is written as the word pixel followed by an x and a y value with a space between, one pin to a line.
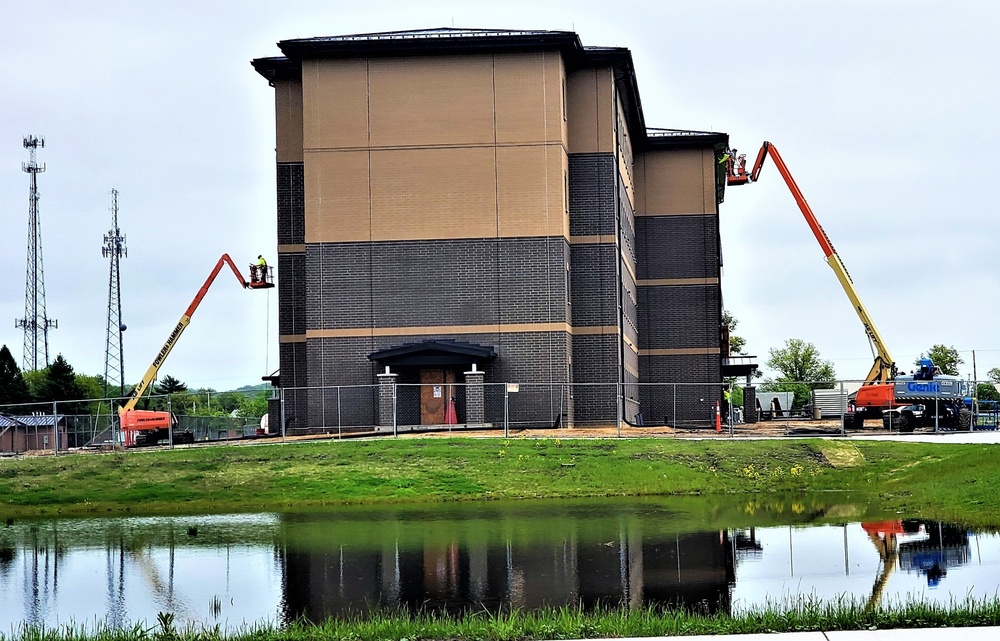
pixel 55 428
pixel 673 405
pixel 842 403
pixel 170 422
pixel 730 412
pixel 395 421
pixel 339 421
pixel 281 409
pixel 937 409
pixel 506 411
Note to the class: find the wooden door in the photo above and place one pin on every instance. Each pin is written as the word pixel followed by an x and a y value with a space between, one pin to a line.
pixel 436 387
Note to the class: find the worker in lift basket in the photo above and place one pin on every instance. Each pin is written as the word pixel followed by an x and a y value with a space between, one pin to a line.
pixel 260 273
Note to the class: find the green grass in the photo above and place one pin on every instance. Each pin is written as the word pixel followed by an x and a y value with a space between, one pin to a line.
pixel 949 482
pixel 562 623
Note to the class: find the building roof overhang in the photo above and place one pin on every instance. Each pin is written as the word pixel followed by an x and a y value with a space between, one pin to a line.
pixel 451 41
pixel 434 353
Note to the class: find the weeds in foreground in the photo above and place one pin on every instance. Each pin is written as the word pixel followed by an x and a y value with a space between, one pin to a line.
pixel 797 615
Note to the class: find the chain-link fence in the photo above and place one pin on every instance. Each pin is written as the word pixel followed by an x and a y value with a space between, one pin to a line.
pixel 95 423
pixel 394 408
pixel 406 407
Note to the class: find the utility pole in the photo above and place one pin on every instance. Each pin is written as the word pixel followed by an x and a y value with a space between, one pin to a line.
pixel 35 323
pixel 114 354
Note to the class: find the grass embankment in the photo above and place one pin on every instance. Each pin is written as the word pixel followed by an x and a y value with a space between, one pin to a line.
pixel 951 482
pixel 564 623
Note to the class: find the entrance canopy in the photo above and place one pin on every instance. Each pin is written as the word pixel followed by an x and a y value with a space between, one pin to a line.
pixel 738 365
pixel 434 353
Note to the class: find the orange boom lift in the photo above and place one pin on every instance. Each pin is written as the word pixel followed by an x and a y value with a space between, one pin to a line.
pixel 144 427
pixel 884 367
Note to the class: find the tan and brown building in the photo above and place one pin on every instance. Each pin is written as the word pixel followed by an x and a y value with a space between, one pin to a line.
pixel 488 206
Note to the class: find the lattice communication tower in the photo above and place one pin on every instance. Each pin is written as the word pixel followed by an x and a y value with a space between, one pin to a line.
pixel 114 355
pixel 35 323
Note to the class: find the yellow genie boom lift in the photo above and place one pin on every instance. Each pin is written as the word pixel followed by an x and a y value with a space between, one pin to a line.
pixel 144 427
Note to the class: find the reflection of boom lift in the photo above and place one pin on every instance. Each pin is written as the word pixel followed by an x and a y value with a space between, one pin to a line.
pixel 884 367
pixel 883 536
pixel 142 427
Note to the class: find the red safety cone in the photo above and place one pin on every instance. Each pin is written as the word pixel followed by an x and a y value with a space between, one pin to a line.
pixel 450 415
pixel 718 417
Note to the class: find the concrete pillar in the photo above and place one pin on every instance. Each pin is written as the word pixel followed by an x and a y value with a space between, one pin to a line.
pixel 386 392
pixel 475 402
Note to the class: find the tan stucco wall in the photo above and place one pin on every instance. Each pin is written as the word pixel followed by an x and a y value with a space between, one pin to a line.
pixel 288 120
pixel 591 101
pixel 434 147
pixel 676 182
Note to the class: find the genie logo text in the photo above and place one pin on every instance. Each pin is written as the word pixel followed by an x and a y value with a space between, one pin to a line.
pixel 928 387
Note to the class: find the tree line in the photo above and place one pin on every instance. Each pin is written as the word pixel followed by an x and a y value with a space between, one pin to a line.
pixel 800 368
pixel 27 392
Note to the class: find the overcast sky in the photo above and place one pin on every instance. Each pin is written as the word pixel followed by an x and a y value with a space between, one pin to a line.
pixel 885 112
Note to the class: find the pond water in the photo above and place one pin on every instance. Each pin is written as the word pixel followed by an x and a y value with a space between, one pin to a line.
pixel 232 570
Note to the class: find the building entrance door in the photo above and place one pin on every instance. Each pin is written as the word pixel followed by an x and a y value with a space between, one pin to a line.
pixel 436 388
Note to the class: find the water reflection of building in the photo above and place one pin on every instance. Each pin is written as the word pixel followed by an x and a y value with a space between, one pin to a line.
pixel 687 570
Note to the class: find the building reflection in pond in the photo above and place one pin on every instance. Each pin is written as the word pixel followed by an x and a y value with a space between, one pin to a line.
pixel 270 568
pixel 690 570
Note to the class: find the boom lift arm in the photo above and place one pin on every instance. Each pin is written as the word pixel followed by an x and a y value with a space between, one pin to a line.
pixel 182 324
pixel 884 367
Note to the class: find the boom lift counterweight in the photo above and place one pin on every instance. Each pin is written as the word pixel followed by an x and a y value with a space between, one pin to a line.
pixel 141 426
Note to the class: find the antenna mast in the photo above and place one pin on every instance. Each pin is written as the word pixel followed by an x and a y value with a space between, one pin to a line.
pixel 35 323
pixel 114 355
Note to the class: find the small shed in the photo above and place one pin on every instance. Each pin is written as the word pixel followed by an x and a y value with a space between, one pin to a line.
pixel 35 432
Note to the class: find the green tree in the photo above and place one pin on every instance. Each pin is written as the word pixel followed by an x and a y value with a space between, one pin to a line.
pixel 253 405
pixel 93 388
pixel 994 374
pixel 59 383
pixel 170 385
pixel 801 370
pixel 986 392
pixel 737 344
pixel 13 388
pixel 946 358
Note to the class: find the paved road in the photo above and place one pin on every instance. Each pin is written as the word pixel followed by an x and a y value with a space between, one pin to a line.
pixel 930 437
pixel 925 634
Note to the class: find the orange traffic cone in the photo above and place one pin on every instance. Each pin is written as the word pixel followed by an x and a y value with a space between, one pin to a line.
pixel 718 417
pixel 450 415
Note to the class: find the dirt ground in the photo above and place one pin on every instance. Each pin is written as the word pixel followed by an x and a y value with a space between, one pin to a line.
pixel 743 430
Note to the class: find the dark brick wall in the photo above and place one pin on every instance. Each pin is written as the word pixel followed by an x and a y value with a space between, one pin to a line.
pixel 594 207
pixel 291 294
pixel 433 283
pixel 339 285
pixel 592 272
pixel 292 358
pixel 291 204
pixel 677 247
pixel 595 360
pixel 680 316
pixel 691 404
pixel 539 361
pixel 291 279
pixel 591 194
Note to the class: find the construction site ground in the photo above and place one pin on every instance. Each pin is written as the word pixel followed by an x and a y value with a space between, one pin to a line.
pixel 785 428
